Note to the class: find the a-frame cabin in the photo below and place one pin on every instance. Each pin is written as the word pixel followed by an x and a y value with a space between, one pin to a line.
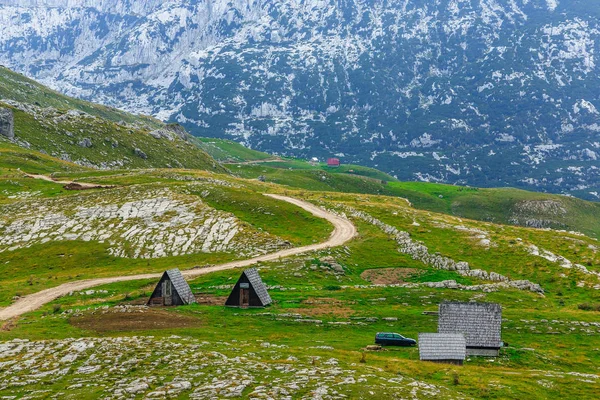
pixel 172 290
pixel 249 291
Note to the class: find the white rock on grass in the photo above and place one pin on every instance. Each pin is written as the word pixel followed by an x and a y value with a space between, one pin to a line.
pixel 150 224
pixel 418 251
pixel 142 367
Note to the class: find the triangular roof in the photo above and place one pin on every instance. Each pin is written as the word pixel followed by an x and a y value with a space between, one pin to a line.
pixel 180 285
pixel 259 287
pixel 442 346
pixel 481 323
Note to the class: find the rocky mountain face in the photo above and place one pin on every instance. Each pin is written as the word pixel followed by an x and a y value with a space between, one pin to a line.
pixel 479 92
pixel 7 123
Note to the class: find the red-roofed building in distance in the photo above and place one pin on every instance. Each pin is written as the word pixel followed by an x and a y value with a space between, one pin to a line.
pixel 333 162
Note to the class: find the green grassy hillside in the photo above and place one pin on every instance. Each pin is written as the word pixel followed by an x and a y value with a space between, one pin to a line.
pixel 501 205
pixel 504 205
pixel 273 169
pixel 228 151
pixel 13 157
pixel 327 304
pixel 16 87
pixel 91 135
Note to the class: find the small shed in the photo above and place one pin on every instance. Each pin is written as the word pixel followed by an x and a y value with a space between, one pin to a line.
pixel 172 290
pixel 249 291
pixel 448 348
pixel 481 323
pixel 333 162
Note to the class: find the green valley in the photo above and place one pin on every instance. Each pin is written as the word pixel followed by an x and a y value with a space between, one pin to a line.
pixel 200 205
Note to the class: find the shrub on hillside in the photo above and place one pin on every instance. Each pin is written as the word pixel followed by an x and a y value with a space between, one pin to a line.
pixel 589 307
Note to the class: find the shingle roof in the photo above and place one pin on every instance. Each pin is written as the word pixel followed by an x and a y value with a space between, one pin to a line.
pixel 481 323
pixel 442 346
pixel 258 285
pixel 181 286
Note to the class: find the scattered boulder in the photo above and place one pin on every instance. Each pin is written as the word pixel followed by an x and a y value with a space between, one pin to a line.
pixel 77 113
pixel 333 265
pixel 170 132
pixel 140 154
pixel 85 143
pixel 418 251
pixel 309 321
pixel 7 123
pixel 527 285
pixel 137 387
pixel 162 134
pixel 178 130
pixel 113 143
pixel 447 284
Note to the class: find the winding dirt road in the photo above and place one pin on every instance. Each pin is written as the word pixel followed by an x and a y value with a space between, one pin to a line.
pixel 83 185
pixel 343 231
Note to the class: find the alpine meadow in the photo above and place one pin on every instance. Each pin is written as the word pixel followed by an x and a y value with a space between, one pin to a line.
pixel 302 199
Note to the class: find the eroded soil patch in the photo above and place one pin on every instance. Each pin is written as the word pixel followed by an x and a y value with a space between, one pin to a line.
pixel 324 306
pixel 148 319
pixel 389 276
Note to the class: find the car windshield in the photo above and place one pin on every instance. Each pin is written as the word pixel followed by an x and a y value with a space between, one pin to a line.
pixel 398 336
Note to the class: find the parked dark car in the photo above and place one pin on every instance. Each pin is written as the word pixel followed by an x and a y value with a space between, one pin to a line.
pixel 393 339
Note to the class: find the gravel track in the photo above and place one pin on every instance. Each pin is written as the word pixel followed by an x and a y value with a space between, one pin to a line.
pixel 343 232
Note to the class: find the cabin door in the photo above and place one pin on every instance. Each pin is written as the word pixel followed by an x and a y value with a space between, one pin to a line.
pixel 244 297
pixel 167 293
pixel 244 294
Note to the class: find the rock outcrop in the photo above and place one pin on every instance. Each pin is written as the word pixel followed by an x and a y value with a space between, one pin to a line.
pixel 331 264
pixel 140 154
pixel 7 123
pixel 170 132
pixel 178 130
pixel 149 224
pixel 86 143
